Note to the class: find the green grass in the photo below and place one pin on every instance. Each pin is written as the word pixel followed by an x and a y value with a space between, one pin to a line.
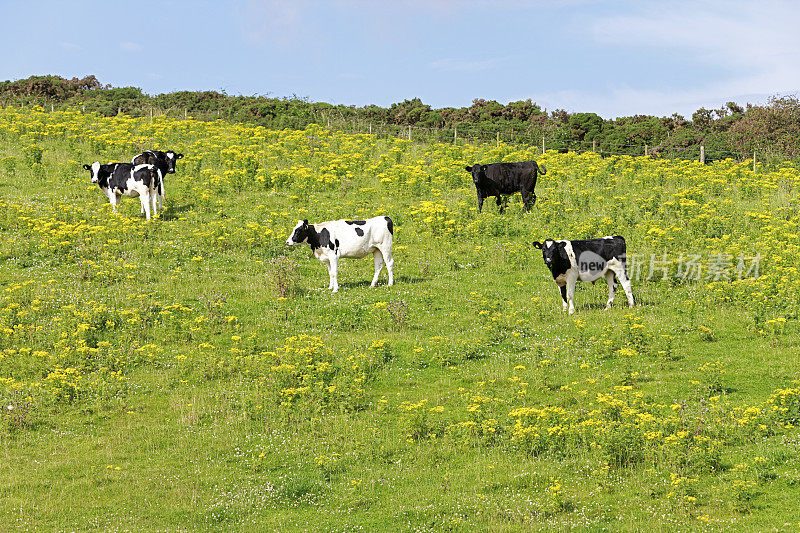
pixel 181 419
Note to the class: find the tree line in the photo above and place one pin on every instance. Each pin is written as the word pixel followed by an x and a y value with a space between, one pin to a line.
pixel 730 131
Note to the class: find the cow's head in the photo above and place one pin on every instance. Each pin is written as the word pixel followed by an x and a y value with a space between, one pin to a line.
pixel 299 233
pixel 478 172
pixel 94 168
pixel 552 251
pixel 171 158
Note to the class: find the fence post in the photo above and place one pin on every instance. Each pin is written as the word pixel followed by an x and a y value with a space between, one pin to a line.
pixel 703 153
pixel 542 144
pixel 455 134
pixel 754 162
pixel 594 145
pixel 498 138
pixel 646 150
pixel 409 132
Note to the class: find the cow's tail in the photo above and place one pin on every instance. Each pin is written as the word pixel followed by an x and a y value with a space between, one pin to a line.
pixel 153 179
pixel 161 184
pixel 624 255
pixel 542 169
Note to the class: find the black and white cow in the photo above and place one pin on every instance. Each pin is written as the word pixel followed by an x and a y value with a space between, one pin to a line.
pixel 586 260
pixel 124 179
pixel 331 241
pixel 164 162
pixel 503 179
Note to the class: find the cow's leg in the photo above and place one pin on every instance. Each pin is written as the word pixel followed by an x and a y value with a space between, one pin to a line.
pixel 144 199
pixel 333 271
pixel 571 294
pixel 525 200
pixel 623 278
pixel 501 203
pixel 113 200
pixel 378 257
pixel 480 202
pixel 388 259
pixel 142 210
pixel 327 264
pixel 563 289
pixel 154 201
pixel 612 288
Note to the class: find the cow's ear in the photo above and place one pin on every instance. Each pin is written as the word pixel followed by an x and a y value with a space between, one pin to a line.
pixel 468 169
pixel 178 156
pixel 305 222
pixel 87 167
pixel 537 244
pixel 483 168
pixel 562 249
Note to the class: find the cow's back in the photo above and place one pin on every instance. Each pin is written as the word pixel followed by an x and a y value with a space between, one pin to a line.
pixel 510 177
pixel 606 247
pixel 125 175
pixel 145 158
pixel 118 180
pixel 358 238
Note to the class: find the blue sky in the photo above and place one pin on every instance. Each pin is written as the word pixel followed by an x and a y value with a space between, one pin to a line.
pixel 614 58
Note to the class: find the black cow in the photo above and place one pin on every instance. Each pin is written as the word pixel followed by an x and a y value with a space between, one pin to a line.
pixel 124 179
pixel 586 260
pixel 164 162
pixel 503 179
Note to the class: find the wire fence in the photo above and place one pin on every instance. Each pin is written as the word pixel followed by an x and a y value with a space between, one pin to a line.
pixel 544 142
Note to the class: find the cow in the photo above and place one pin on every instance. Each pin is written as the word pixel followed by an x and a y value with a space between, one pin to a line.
pixel 164 162
pixel 336 239
pixel 503 179
pixel 586 260
pixel 124 179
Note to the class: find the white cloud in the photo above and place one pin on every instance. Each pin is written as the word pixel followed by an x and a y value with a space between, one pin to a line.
pixel 755 44
pixel 69 46
pixel 272 21
pixel 463 65
pixel 130 47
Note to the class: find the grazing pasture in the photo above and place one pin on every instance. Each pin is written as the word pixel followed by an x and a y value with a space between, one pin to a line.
pixel 190 372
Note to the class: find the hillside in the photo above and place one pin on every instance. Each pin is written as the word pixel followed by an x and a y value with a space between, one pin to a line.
pixel 191 372
pixel 771 131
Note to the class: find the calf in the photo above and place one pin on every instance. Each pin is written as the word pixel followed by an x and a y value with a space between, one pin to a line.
pixel 164 162
pixel 503 179
pixel 336 239
pixel 124 179
pixel 586 260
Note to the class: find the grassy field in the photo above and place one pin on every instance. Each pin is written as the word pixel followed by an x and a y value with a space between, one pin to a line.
pixel 191 373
